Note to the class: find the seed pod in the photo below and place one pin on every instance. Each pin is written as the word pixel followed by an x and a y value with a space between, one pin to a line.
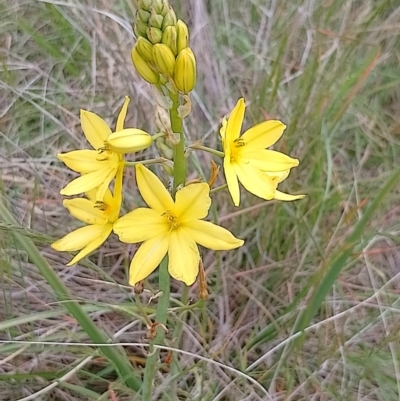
pixel 182 36
pixel 143 68
pixel 185 71
pixel 164 59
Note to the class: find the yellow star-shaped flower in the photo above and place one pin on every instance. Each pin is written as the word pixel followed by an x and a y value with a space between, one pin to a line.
pixel 99 217
pixel 246 160
pixel 99 166
pixel 173 227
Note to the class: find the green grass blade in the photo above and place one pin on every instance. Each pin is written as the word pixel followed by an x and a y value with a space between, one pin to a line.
pixel 115 357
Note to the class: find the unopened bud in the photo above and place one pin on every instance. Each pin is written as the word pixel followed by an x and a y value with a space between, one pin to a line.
pixel 145 4
pixel 164 59
pixel 169 38
pixel 143 15
pixel 182 36
pixel 185 71
pixel 143 68
pixel 158 5
pixel 140 28
pixel 145 49
pixel 154 35
pixel 128 140
pixel 170 18
pixel 156 20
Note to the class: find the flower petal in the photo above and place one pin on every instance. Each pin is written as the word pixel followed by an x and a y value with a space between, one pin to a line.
pixel 147 258
pixel 286 197
pixel 222 130
pixel 87 182
pixel 122 115
pixel 192 202
pixel 141 224
pixel 212 236
pixel 89 248
pixel 82 161
pixel 86 211
pixel 95 129
pixel 80 238
pixel 268 160
pixel 152 190
pixel 255 181
pixel 103 188
pixel 184 256
pixel 232 181
pixel 263 135
pixel 235 122
pixel 279 176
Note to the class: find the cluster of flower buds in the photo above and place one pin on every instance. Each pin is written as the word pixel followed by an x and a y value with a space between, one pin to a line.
pixel 162 54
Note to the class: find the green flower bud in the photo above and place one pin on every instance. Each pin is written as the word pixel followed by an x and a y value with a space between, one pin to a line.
pixel 158 5
pixel 141 27
pixel 182 36
pixel 143 68
pixel 145 49
pixel 164 59
pixel 156 20
pixel 185 71
pixel 169 38
pixel 169 19
pixel 145 4
pixel 154 35
pixel 143 15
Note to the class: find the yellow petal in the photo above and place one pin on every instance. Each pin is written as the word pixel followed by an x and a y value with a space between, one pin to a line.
pixel 212 236
pixel 232 181
pixel 268 160
pixel 263 135
pixel 255 181
pixel 85 210
pixel 235 122
pixel 78 239
pixel 222 130
pixel 152 190
pixel 279 176
pixel 122 114
pixel 192 202
pixel 87 182
pixel 115 201
pixel 286 197
pixel 103 188
pixel 129 140
pixel 147 258
pixel 82 161
pixel 89 248
pixel 95 129
pixel 184 257
pixel 140 225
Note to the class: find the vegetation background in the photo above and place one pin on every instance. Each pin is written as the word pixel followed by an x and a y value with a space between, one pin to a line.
pixel 329 264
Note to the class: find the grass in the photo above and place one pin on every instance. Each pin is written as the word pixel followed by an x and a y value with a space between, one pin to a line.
pixel 327 264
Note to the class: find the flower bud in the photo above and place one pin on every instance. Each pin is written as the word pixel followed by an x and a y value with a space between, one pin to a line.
pixel 182 36
pixel 140 28
pixel 143 68
pixel 145 49
pixel 156 20
pixel 145 4
pixel 169 19
pixel 154 35
pixel 158 5
pixel 169 38
pixel 128 140
pixel 185 71
pixel 143 15
pixel 164 59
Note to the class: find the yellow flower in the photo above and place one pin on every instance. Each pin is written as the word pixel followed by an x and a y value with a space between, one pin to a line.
pixel 100 217
pixel 173 227
pixel 99 166
pixel 246 159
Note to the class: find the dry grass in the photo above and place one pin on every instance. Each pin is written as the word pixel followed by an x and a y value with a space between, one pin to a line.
pixel 329 70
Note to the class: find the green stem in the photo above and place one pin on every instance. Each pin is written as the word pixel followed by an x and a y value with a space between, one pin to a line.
pixel 161 318
pixel 179 148
pixel 220 188
pixel 118 359
pixel 149 161
pixel 215 152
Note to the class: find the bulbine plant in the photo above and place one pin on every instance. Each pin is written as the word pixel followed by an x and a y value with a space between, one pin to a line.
pixel 174 222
